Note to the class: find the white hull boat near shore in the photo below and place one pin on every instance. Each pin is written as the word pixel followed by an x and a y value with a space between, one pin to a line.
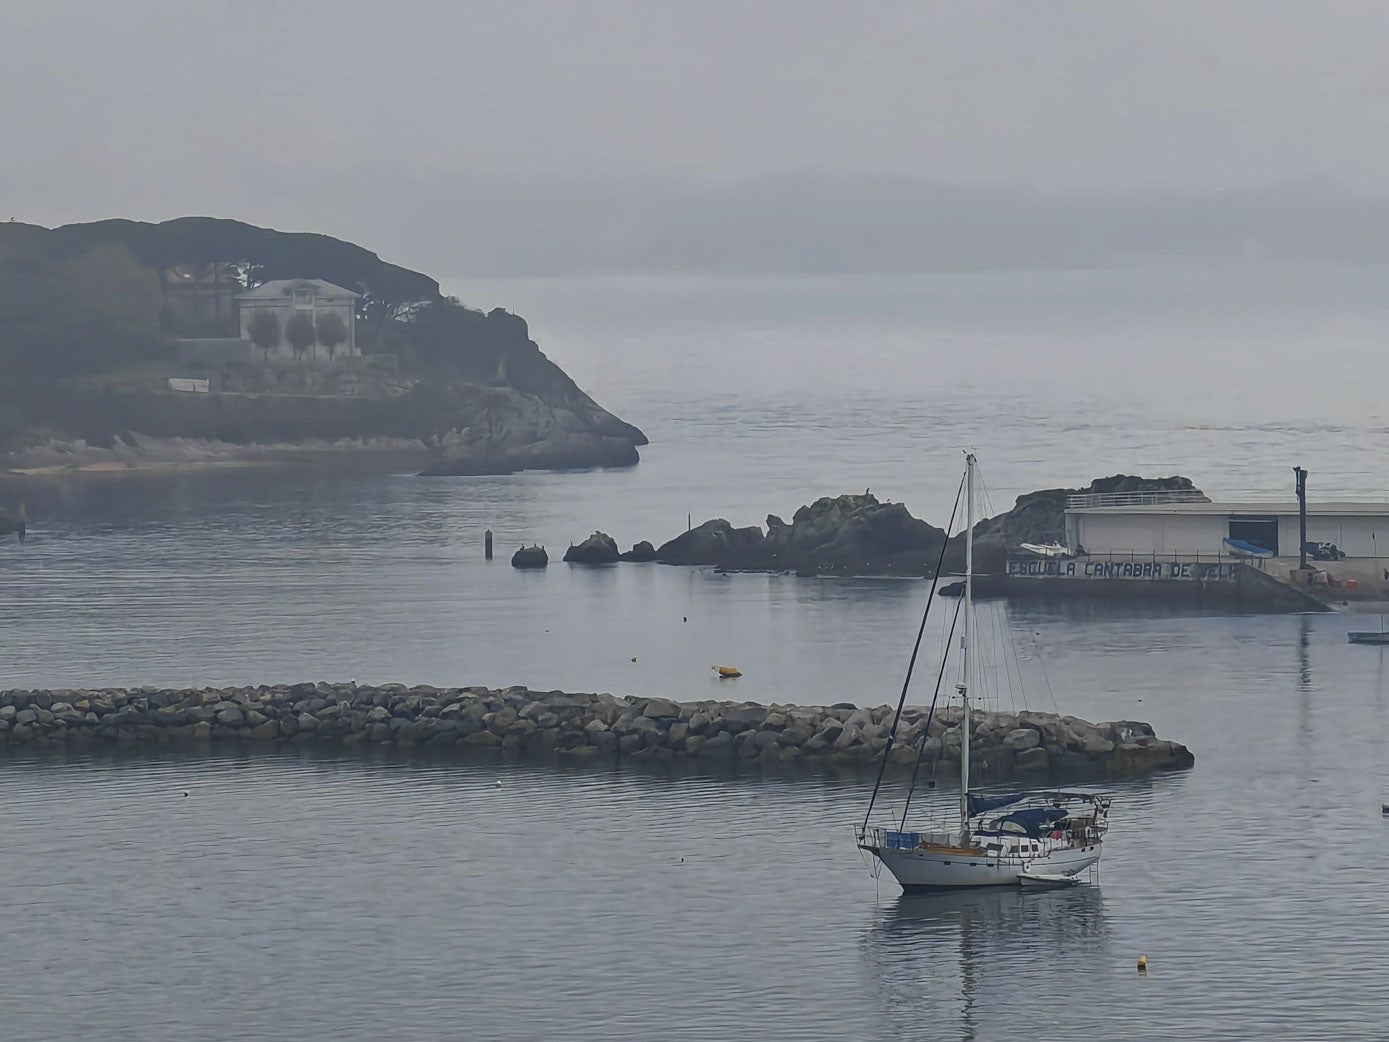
pixel 999 839
pixel 993 857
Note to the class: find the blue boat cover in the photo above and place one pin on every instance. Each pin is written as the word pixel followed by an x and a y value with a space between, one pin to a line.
pixel 1030 822
pixel 979 804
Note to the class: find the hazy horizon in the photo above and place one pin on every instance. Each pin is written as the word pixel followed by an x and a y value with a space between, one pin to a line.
pixel 550 137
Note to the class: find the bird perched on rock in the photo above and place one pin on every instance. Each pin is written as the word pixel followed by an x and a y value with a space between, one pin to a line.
pixel 12 524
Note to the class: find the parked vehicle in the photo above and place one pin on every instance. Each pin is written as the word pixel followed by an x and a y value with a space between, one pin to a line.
pixel 1324 551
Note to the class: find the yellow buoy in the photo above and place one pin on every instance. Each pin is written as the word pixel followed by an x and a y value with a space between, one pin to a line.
pixel 1142 964
pixel 725 672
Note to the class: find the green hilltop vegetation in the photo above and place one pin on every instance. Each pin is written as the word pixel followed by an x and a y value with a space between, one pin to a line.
pixel 83 308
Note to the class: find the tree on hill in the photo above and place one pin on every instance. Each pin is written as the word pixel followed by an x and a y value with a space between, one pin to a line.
pixel 332 332
pixel 258 255
pixel 299 331
pixel 62 318
pixel 264 331
pixel 107 280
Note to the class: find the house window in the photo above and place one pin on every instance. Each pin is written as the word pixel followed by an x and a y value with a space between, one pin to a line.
pixel 303 298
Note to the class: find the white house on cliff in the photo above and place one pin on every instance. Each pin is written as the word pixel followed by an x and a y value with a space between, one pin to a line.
pixel 329 310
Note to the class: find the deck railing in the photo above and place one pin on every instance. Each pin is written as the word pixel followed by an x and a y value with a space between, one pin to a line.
pixel 1175 557
pixel 1134 499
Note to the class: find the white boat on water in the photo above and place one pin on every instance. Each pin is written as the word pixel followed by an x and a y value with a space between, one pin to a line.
pixel 998 839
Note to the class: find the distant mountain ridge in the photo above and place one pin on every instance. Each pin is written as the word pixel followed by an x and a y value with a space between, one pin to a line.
pixel 812 222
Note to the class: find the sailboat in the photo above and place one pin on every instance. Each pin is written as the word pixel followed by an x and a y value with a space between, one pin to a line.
pixel 998 839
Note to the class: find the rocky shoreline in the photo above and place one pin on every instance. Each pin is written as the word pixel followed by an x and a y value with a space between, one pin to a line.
pixel 863 535
pixel 133 453
pixel 588 727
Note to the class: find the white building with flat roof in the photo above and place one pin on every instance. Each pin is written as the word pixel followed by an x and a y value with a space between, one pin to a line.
pixel 1180 525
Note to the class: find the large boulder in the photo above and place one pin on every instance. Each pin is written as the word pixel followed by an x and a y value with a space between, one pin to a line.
pixel 851 533
pixel 530 557
pixel 641 552
pixel 599 548
pixel 713 542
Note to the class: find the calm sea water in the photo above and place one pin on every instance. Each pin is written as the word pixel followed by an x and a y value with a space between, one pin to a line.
pixel 325 897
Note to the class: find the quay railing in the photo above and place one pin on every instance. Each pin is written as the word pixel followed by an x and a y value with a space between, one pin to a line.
pixel 1137 556
pixel 1086 500
pixel 1175 557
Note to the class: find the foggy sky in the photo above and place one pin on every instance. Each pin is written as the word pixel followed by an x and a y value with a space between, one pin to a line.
pixel 535 136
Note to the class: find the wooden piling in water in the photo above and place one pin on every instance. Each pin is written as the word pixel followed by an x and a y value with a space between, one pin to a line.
pixel 487 544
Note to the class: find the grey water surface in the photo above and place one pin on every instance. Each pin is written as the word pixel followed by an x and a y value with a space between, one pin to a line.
pixel 352 897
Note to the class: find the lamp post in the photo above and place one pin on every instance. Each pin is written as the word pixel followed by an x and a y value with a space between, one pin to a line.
pixel 1301 476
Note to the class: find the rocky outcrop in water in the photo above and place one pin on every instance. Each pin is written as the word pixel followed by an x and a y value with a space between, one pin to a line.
pixel 595 727
pixel 709 543
pixel 852 534
pixel 530 557
pixel 599 548
pixel 641 553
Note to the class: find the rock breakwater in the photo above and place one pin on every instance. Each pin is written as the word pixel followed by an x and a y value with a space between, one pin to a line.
pixel 594 727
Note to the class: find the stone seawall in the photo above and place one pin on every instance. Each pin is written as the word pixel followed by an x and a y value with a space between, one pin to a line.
pixel 594 727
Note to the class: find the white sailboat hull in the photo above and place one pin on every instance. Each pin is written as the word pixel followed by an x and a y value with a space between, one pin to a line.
pixel 924 869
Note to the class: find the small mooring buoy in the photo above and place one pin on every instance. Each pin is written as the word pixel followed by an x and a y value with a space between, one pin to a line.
pixel 1384 809
pixel 1142 964
pixel 634 658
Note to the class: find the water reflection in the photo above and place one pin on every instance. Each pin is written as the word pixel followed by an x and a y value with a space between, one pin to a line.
pixel 954 960
pixel 1304 659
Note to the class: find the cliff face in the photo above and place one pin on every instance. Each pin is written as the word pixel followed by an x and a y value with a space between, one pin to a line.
pixel 472 388
pixel 517 410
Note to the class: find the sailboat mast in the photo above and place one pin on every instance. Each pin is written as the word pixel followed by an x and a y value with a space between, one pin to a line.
pixel 967 647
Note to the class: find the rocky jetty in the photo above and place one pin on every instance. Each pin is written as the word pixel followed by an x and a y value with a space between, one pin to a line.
pixel 598 727
pixel 599 548
pixel 530 557
pixel 852 534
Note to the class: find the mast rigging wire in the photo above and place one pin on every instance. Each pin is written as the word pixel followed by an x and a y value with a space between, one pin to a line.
pixel 911 665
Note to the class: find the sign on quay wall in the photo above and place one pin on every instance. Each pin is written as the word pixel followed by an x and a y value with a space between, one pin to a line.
pixel 1182 571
